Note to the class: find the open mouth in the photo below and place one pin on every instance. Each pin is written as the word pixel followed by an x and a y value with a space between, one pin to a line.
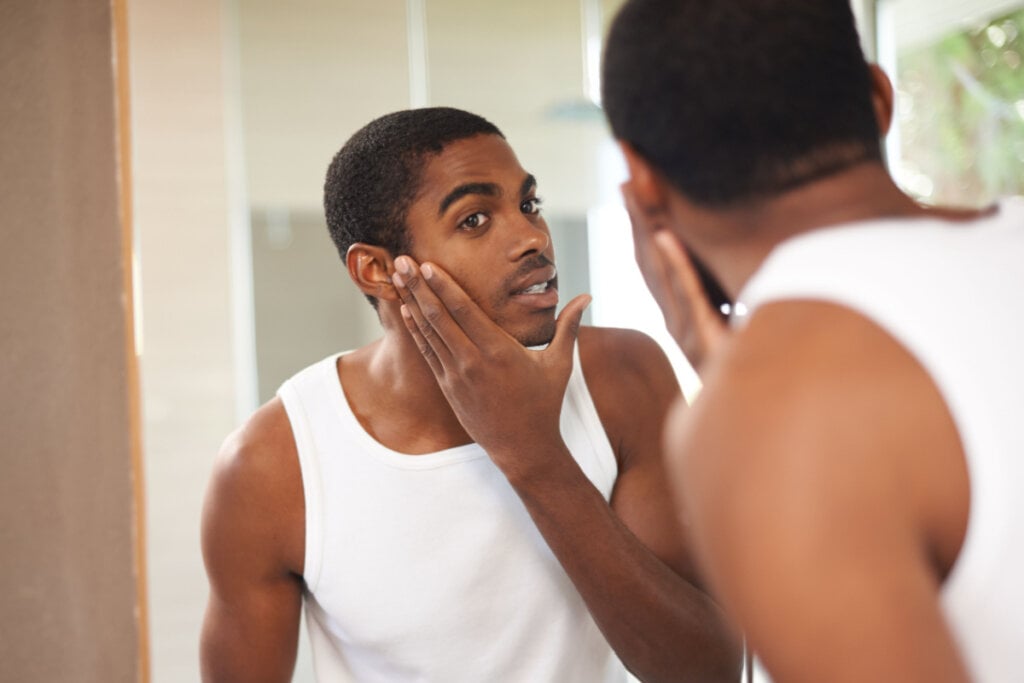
pixel 543 280
pixel 538 288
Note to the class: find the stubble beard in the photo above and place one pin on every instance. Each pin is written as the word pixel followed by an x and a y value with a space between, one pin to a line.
pixel 539 337
pixel 543 331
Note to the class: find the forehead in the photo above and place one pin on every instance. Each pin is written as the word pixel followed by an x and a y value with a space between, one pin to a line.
pixel 481 158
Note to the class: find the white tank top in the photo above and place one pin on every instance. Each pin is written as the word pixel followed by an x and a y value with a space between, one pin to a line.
pixel 428 568
pixel 953 296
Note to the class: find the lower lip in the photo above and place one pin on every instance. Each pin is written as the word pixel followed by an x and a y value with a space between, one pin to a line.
pixel 544 300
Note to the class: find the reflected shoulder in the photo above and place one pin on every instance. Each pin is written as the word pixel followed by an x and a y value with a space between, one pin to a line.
pixel 263 446
pixel 268 422
pixel 621 354
pixel 632 384
pixel 255 492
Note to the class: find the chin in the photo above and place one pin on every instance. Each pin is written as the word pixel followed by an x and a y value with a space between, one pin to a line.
pixel 539 336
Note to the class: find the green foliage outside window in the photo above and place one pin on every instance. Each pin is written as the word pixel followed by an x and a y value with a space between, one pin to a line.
pixel 960 110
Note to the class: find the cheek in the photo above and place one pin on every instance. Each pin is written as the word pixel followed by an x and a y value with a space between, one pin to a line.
pixel 450 260
pixel 471 281
pixel 476 285
pixel 484 286
pixel 482 279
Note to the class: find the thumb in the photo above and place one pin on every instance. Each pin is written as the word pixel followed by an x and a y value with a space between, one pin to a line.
pixel 567 326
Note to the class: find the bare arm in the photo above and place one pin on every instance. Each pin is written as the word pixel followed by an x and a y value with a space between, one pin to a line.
pixel 827 495
pixel 509 399
pixel 630 561
pixel 252 536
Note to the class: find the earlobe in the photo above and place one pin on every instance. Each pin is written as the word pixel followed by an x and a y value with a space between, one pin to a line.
pixel 370 267
pixel 882 97
pixel 647 184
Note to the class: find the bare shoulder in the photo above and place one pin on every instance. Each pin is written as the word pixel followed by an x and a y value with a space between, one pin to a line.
pixel 630 379
pixel 783 389
pixel 822 475
pixel 255 499
pixel 628 350
pixel 805 379
pixel 626 364
pixel 253 541
pixel 262 445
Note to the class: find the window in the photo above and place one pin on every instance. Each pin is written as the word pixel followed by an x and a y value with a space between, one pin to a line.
pixel 958 69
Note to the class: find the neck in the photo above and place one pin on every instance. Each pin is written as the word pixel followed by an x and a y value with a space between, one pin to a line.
pixel 733 242
pixel 398 361
pixel 391 382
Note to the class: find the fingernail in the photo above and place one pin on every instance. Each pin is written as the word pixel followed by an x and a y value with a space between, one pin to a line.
pixel 427 271
pixel 402 265
pixel 664 238
pixel 397 280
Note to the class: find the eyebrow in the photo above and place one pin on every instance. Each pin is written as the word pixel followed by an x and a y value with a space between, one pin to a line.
pixel 529 183
pixel 486 189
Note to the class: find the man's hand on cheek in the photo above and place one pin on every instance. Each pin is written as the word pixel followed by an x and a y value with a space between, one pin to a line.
pixel 507 397
pixel 675 284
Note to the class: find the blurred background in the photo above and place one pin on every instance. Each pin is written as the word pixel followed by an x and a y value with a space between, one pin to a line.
pixel 228 114
pixel 958 137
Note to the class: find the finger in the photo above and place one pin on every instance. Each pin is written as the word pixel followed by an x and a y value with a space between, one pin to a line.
pixel 686 282
pixel 474 325
pixel 424 346
pixel 645 252
pixel 637 220
pixel 691 319
pixel 654 269
pixel 422 307
pixel 567 326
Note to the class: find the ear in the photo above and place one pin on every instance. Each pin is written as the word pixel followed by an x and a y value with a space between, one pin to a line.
pixel 370 267
pixel 882 97
pixel 650 189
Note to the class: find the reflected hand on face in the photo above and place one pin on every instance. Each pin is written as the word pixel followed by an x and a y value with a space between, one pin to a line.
pixel 505 395
pixel 675 284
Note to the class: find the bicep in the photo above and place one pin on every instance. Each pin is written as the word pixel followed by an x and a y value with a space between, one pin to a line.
pixel 251 633
pixel 644 503
pixel 251 626
pixel 633 399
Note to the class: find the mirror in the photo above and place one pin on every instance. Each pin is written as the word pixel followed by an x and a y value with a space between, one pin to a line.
pixel 237 110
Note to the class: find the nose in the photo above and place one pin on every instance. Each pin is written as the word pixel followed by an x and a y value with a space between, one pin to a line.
pixel 529 236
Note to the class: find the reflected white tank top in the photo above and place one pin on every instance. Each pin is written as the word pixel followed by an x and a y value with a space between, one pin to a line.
pixel 953 296
pixel 428 568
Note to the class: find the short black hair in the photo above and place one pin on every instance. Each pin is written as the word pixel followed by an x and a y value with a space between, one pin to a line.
pixel 740 100
pixel 374 177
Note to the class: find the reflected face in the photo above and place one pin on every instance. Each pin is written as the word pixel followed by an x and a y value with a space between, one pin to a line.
pixel 477 216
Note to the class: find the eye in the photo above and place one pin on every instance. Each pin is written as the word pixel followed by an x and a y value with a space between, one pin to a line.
pixel 474 221
pixel 531 205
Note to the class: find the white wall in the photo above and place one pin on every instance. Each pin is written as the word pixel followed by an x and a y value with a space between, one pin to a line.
pixel 180 115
